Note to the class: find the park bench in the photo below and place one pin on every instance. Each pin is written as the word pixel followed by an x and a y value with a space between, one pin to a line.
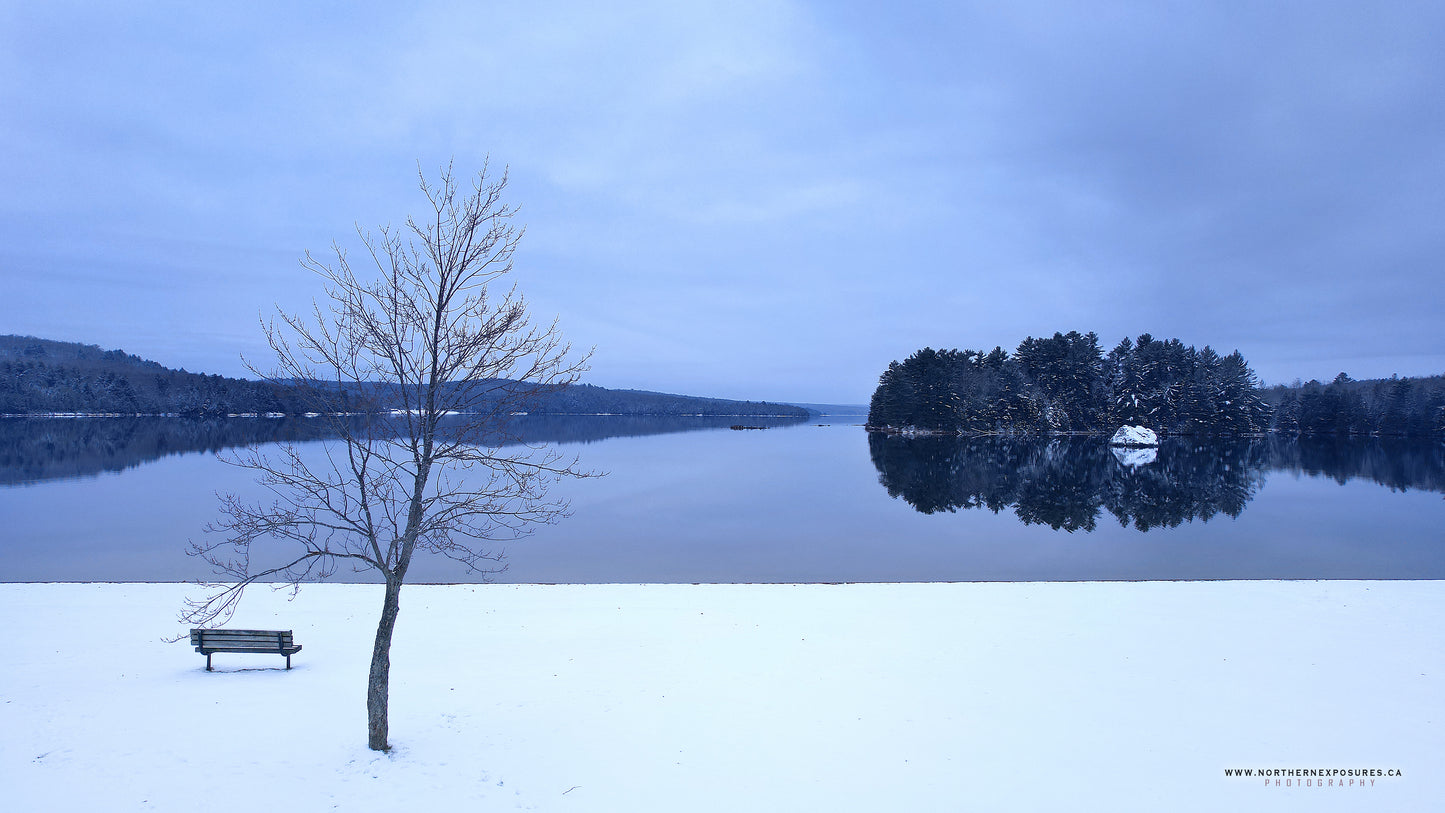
pixel 245 641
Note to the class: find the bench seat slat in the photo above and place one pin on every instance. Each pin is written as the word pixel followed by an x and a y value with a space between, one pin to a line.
pixel 259 650
pixel 211 637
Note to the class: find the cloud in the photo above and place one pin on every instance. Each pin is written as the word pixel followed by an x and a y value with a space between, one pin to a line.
pixel 732 182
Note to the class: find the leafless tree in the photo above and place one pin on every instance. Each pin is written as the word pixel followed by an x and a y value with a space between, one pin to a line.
pixel 418 364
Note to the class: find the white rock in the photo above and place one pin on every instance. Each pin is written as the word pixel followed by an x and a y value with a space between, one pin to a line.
pixel 1134 436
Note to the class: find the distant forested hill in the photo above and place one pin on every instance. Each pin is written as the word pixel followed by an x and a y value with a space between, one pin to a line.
pixel 40 376
pixel 586 399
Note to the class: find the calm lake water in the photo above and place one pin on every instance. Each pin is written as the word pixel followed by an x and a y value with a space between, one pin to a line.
pixel 690 500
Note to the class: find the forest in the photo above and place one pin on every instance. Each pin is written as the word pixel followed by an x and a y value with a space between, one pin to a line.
pixel 40 376
pixel 1398 407
pixel 1068 384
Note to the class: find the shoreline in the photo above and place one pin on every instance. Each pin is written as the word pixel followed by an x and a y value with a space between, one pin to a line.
pixel 922 696
pixel 214 416
pixel 901 583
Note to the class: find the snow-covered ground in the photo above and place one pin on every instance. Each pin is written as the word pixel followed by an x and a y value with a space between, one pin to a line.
pixel 1040 696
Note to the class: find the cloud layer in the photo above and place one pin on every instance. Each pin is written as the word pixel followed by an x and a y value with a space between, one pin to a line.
pixel 750 200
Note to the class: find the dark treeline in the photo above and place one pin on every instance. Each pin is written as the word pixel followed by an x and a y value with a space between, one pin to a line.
pixel 504 395
pixel 39 376
pixel 1067 383
pixel 586 399
pixel 560 429
pixel 1068 483
pixel 1403 407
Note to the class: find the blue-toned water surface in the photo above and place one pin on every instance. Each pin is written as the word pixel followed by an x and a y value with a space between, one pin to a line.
pixel 692 500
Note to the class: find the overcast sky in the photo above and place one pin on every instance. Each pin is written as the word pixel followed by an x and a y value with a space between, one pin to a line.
pixel 749 200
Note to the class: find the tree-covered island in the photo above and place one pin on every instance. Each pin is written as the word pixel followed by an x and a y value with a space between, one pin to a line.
pixel 1067 384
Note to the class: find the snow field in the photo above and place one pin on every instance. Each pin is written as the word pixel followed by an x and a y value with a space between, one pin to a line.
pixel 1120 696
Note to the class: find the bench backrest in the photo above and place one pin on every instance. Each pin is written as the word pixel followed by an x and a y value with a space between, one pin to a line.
pixel 259 640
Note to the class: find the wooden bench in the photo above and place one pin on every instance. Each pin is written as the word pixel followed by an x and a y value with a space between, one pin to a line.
pixel 263 642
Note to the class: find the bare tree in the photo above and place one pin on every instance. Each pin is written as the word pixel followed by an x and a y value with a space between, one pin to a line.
pixel 418 371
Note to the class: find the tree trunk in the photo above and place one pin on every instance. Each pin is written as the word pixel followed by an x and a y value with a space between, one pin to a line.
pixel 378 683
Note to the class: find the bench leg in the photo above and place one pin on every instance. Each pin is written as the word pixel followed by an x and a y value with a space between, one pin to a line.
pixel 208 661
pixel 288 661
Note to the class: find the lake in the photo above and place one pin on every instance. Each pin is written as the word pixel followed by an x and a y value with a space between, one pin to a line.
pixel 691 500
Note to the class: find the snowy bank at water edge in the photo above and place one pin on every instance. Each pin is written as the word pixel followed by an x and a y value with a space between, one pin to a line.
pixel 916 697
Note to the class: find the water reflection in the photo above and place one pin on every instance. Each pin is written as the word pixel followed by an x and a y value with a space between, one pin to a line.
pixel 33 450
pixel 38 449
pixel 1067 483
pixel 800 504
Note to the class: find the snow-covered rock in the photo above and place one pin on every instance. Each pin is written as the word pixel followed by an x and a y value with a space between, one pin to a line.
pixel 1134 436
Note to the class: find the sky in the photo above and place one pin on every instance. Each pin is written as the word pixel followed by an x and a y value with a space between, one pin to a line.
pixel 748 200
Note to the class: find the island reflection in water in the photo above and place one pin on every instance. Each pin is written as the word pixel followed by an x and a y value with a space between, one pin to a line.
pixel 1067 483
